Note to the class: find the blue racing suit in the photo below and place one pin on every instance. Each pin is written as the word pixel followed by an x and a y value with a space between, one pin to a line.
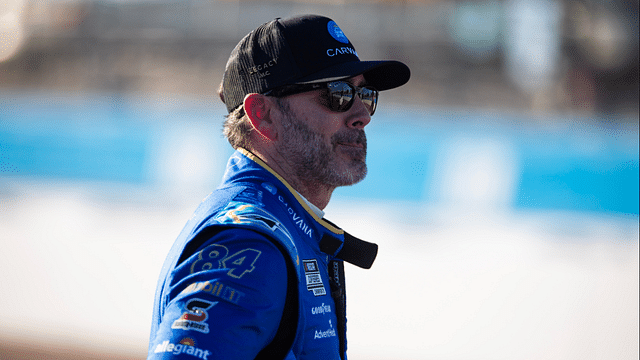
pixel 255 274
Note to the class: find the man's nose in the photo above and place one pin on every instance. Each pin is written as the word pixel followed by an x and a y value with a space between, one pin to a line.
pixel 359 115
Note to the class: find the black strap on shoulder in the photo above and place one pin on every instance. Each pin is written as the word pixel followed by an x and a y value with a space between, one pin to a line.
pixel 354 251
pixel 339 295
pixel 279 347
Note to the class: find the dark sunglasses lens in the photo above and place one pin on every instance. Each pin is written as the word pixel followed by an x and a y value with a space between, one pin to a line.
pixel 369 99
pixel 341 96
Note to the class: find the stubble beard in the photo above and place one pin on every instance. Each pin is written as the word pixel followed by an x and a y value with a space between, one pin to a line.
pixel 317 162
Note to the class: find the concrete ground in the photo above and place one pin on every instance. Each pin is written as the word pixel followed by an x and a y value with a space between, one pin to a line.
pixel 79 274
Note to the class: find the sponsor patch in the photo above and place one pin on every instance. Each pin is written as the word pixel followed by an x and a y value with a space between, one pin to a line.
pixel 336 32
pixel 322 309
pixel 297 219
pixel 312 275
pixel 331 332
pixel 195 316
pixel 185 346
pixel 341 51
pixel 217 289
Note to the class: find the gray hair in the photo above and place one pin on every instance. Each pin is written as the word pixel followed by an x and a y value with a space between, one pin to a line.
pixel 237 129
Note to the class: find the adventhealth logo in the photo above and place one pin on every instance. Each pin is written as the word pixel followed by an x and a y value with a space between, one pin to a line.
pixel 325 334
pixel 177 349
pixel 331 332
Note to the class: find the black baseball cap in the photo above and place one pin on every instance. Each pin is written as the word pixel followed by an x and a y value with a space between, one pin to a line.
pixel 300 50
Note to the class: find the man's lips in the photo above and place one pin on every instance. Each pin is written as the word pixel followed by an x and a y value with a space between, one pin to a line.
pixel 352 142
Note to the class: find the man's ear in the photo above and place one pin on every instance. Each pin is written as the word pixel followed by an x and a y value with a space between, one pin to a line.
pixel 258 110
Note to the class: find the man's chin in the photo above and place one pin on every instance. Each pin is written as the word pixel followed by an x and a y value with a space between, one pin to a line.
pixel 356 173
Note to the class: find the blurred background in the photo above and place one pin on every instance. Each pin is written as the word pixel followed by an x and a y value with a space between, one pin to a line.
pixel 502 186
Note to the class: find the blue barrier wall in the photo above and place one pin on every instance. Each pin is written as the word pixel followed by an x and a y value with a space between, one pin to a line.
pixel 419 155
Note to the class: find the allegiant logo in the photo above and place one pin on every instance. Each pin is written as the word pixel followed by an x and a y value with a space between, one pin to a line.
pixel 177 349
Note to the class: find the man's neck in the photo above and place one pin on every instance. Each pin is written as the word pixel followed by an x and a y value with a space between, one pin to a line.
pixel 317 194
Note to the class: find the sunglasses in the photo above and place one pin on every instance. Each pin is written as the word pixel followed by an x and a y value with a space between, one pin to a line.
pixel 341 94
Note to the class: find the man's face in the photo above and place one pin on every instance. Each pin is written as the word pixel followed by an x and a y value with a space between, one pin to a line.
pixel 323 146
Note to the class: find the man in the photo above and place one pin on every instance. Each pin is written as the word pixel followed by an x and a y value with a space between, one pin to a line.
pixel 257 273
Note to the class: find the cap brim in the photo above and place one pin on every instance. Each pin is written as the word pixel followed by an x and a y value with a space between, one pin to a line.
pixel 382 75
